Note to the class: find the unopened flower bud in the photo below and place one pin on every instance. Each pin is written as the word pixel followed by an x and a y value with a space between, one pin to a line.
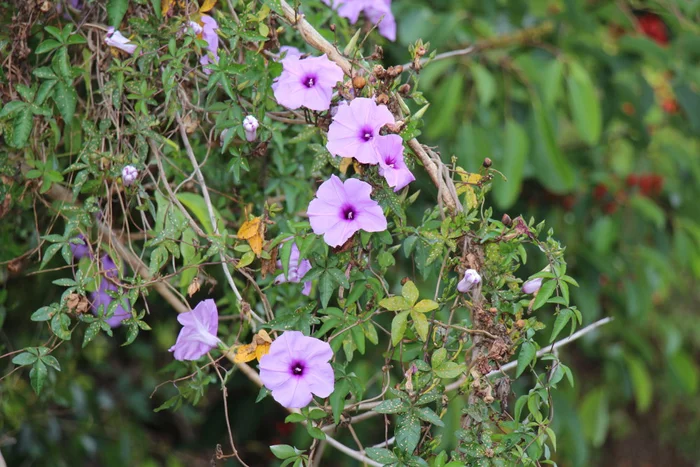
pixel 420 51
pixel 250 125
pixel 332 27
pixel 195 27
pixel 532 285
pixel 129 175
pixel 359 82
pixel 471 278
pixel 507 221
pixel 487 162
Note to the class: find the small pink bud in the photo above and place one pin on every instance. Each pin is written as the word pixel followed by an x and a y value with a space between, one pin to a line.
pixel 532 285
pixel 250 125
pixel 129 174
pixel 471 278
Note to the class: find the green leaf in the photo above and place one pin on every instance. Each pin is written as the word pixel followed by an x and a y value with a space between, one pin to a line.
pixel 196 205
pixel 420 322
pixel 284 451
pixel 294 418
pixel 315 432
pixel 116 9
pixel 25 358
pixel 66 99
pixel 595 416
pixel 325 288
pixel 449 370
pixel 44 313
pixel 246 259
pixel 425 306
pixel 395 303
pixel 337 399
pixel 51 361
pixel 584 103
pixel 391 406
pixel 563 317
pixel 60 325
pixel 407 432
pixel 642 384
pixel 47 46
pixel 91 332
pixel 525 357
pixel 398 327
pixel 485 84
pixel 409 292
pixel 544 293
pixel 512 165
pixel 427 414
pixel 22 127
pixel 381 455
pixel 439 356
pixel 37 375
pixel 12 108
pixel 552 168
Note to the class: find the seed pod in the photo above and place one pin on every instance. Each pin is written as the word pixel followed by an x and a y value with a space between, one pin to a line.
pixel 405 89
pixel 359 82
pixel 507 221
pixel 382 99
pixel 487 162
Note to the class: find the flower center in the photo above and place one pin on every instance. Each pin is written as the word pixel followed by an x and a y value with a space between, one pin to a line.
pixel 309 81
pixel 349 213
pixel 389 161
pixel 366 134
pixel 297 368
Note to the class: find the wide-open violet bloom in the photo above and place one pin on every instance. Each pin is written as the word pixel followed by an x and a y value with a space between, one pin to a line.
pixel 306 82
pixel 101 296
pixel 391 163
pixel 198 333
pixel 341 209
pixel 375 10
pixel 355 129
pixel 297 368
pixel 115 39
pixel 209 27
pixel 296 270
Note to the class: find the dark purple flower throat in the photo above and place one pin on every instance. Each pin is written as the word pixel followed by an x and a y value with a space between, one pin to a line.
pixel 348 212
pixel 297 368
pixel 309 81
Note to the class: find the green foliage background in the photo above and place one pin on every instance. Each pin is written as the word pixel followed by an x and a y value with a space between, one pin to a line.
pixel 573 112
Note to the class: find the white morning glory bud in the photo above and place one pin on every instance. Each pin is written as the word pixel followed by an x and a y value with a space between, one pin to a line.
pixel 471 278
pixel 129 174
pixel 195 27
pixel 532 285
pixel 250 125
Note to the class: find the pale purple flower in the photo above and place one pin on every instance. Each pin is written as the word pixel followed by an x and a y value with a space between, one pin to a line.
pixel 375 10
pixel 194 27
pixel 307 82
pixel 115 39
pixel 296 271
pixel 391 163
pixel 101 296
pixel 355 129
pixel 129 174
pixel 288 52
pixel 198 333
pixel 297 368
pixel 532 286
pixel 79 249
pixel 341 209
pixel 470 280
pixel 209 27
pixel 250 125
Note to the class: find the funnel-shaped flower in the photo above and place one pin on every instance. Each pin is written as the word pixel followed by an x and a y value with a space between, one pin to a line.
pixel 115 39
pixel 355 130
pixel 198 333
pixel 297 368
pixel 296 271
pixel 375 10
pixel 101 297
pixel 341 209
pixel 391 163
pixel 209 27
pixel 532 285
pixel 307 82
pixel 470 280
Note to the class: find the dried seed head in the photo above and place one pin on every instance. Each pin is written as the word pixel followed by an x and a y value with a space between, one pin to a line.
pixel 382 99
pixel 359 82
pixel 487 162
pixel 405 89
pixel 507 221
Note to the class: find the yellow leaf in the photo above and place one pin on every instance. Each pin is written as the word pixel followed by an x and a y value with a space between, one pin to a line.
pixel 165 6
pixel 468 177
pixel 245 353
pixel 262 337
pixel 262 350
pixel 254 232
pixel 344 164
pixel 207 5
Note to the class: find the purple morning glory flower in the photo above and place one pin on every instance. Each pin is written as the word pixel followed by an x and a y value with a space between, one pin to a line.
pixel 391 163
pixel 296 271
pixel 355 129
pixel 198 333
pixel 306 82
pixel 79 249
pixel 115 39
pixel 341 209
pixel 375 10
pixel 532 285
pixel 297 368
pixel 288 52
pixel 209 27
pixel 101 297
pixel 470 280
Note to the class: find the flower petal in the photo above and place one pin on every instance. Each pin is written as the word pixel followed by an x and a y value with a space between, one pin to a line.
pixel 294 394
pixel 320 379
